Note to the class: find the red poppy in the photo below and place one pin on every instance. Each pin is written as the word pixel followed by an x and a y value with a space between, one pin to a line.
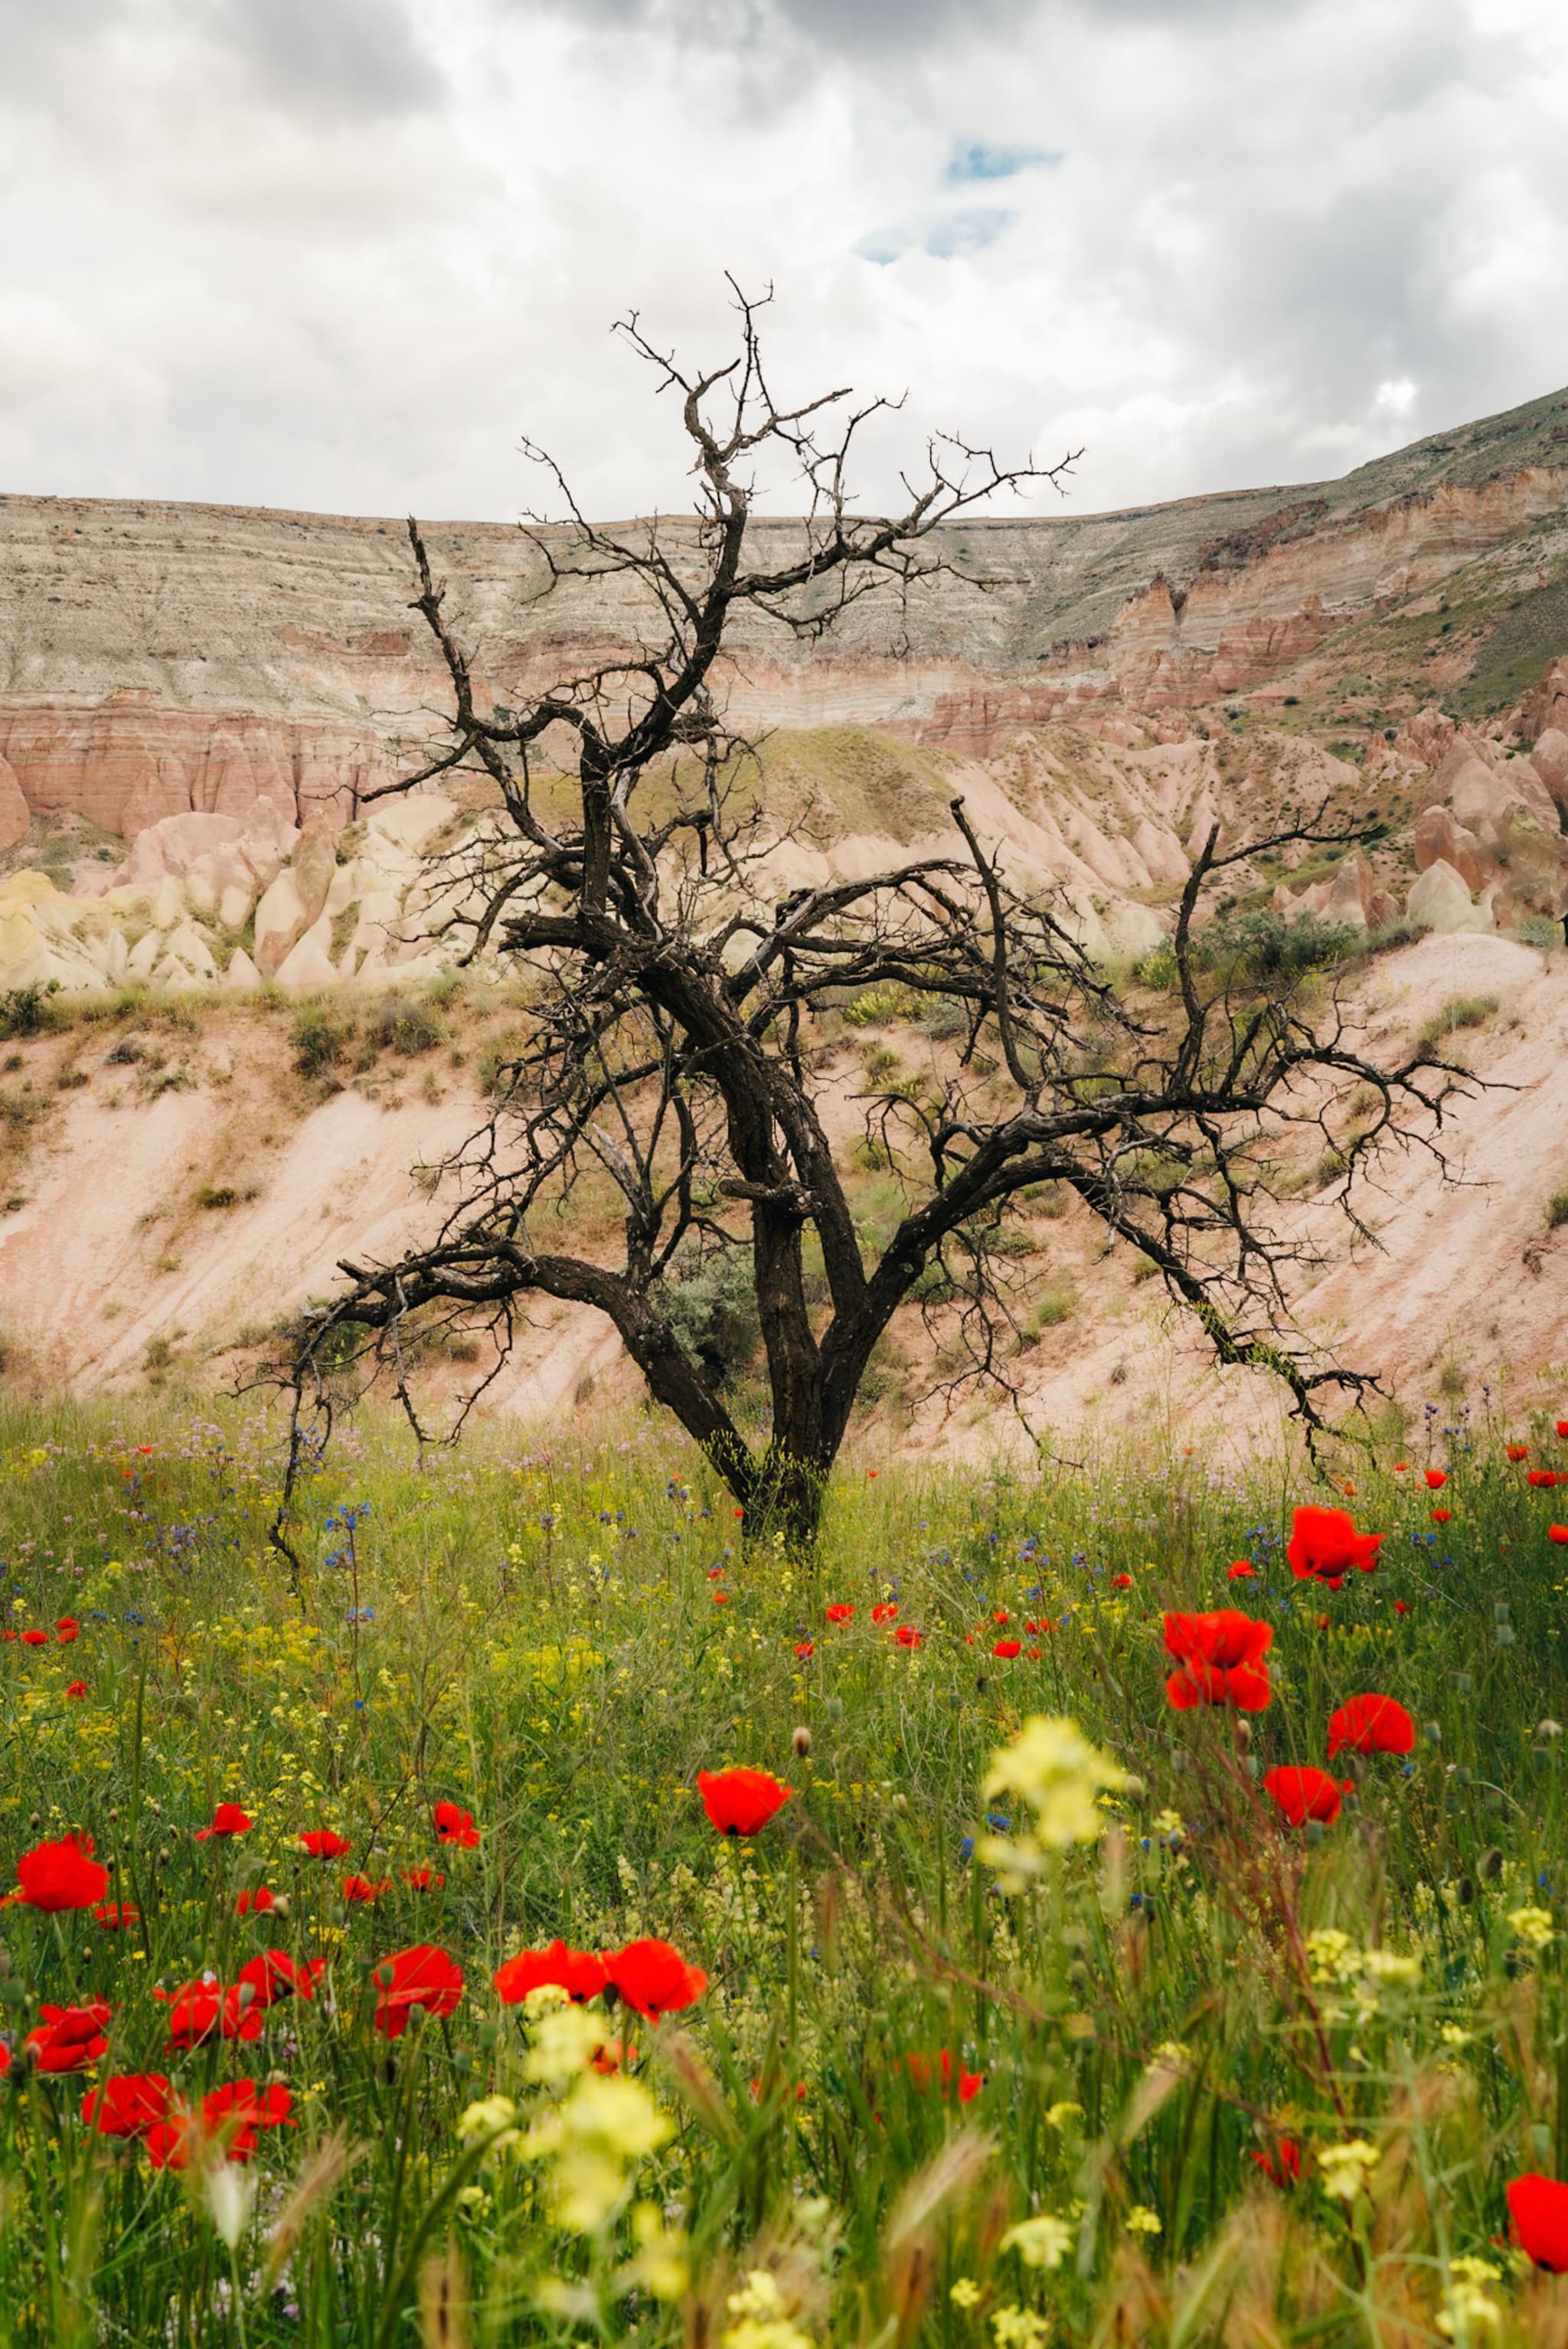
pixel 611 2054
pixel 254 1903
pixel 70 2038
pixel 1543 1479
pixel 1539 2208
pixel 1243 1570
pixel 841 1612
pixel 423 1879
pixel 67 1629
pixel 1007 1647
pixel 117 1916
pixel 1282 2168
pixel 64 1875
pixel 274 1974
pixel 721 1597
pixel 1441 1516
pixel 7 1634
pixel 1519 1451
pixel 1401 1605
pixel 198 2009
pixel 1400 1466
pixel 1001 1615
pixel 323 1844
pixel 127 2103
pixel 235 2111
pixel 228 1819
pixel 1371 1725
pixel 1325 1545
pixel 1121 1581
pixel 240 2105
pixel 423 1976
pixel 1304 1794
pixel 1557 1533
pixel 455 1826
pixel 1436 1478
pixel 34 1638
pixel 737 1513
pixel 654 1978
pixel 907 1636
pixel 806 1649
pixel 919 2068
pixel 76 1687
pixel 579 1972
pixel 1221 1659
pixel 740 1802
pixel 358 1889
pixel 1562 1427
pixel 884 1611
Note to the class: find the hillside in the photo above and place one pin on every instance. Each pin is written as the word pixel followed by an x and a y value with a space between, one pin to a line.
pixel 195 696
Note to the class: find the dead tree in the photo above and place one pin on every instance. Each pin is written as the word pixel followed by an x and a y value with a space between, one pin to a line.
pixel 675 1000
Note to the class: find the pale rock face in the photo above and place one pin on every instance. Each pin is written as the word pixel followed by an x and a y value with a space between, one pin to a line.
pixel 187 947
pixel 1550 761
pixel 1349 893
pixel 296 898
pixel 1440 901
pixel 410 821
pixel 242 971
pixel 16 816
pixel 1438 835
pixel 308 963
pixel 143 957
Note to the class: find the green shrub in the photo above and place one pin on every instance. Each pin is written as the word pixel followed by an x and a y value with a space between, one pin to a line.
pixel 1460 1011
pixel 876 1005
pixel 712 1308
pixel 1557 1211
pixel 407 1025
pixel 320 1037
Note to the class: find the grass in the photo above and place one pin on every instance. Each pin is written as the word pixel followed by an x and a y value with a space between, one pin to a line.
pixel 1459 1011
pixel 943 2084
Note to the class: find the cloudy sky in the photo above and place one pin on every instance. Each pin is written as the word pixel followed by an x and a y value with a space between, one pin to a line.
pixel 344 254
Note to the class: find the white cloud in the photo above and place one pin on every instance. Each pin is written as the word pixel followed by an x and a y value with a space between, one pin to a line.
pixel 344 253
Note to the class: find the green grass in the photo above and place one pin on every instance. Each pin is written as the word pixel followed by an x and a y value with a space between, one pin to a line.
pixel 541 1639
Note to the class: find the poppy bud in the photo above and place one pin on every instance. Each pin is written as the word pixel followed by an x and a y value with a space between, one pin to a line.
pixel 801 1742
pixel 5 1965
pixel 1243 1732
pixel 114 1815
pixel 1549 1729
pixel 1491 1864
pixel 981 1685
pixel 247 1992
pixel 163 1856
pixel 1466 1891
pixel 36 1820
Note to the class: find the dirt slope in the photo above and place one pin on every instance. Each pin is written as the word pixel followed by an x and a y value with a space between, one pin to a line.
pixel 111 1268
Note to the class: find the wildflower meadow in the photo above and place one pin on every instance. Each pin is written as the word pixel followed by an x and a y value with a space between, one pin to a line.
pixel 1124 1902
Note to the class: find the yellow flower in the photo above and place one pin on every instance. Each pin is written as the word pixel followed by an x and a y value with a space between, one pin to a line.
pixel 965 2292
pixel 1330 1955
pixel 1042 2243
pixel 763 2321
pixel 1142 2221
pixel 1052 1767
pixel 1345 2168
pixel 1019 2328
pixel 1532 1925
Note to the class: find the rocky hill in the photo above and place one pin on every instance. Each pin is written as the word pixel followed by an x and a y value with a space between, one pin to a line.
pixel 195 699
pixel 1098 684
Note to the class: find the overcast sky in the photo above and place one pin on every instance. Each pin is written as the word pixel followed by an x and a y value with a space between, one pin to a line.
pixel 344 254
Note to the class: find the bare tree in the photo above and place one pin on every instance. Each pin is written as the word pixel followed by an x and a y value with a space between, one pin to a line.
pixel 675 1000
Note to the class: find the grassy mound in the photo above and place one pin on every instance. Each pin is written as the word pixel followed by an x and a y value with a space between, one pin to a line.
pixel 990 2035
